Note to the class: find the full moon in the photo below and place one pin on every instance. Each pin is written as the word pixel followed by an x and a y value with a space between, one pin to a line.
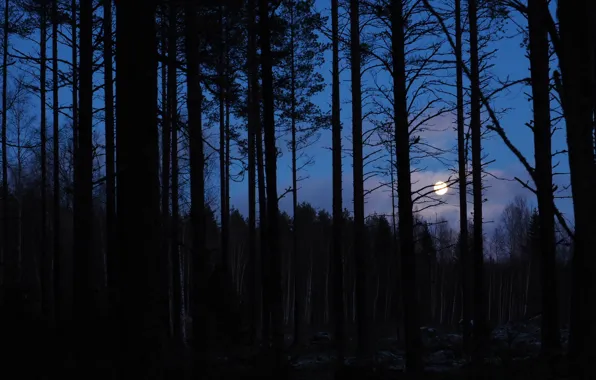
pixel 440 188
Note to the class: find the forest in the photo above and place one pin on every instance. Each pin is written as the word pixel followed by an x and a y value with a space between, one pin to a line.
pixel 159 215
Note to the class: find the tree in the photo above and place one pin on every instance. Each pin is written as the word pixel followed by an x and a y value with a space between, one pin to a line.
pixel 83 299
pixel 426 265
pixel 338 265
pixel 404 190
pixel 41 8
pixel 577 95
pixel 253 122
pixel 56 174
pixel 223 89
pixel 298 69
pixel 143 280
pixel 534 284
pixel 111 230
pixel 476 131
pixel 173 120
pixel 462 172
pixel 197 184
pixel 539 68
pixel 364 338
pixel 274 303
pixel 166 133
pixel 75 78
pixel 263 219
pixel 5 246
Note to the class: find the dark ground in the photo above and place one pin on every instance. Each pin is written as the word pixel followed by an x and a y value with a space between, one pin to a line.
pixel 513 354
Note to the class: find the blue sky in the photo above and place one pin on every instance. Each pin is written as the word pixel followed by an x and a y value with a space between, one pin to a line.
pixel 509 62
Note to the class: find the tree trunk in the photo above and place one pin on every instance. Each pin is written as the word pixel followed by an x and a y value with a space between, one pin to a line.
pixel 577 65
pixel 298 283
pixel 222 142
pixel 266 318
pixel 197 183
pixel 143 289
pixel 253 122
pixel 228 158
pixel 165 150
pixel 173 119
pixel 45 260
pixel 404 191
pixel 363 312
pixel 464 252
pixel 83 292
pixel 56 172
pixel 338 223
pixel 75 79
pixel 539 69
pixel 111 230
pixel 4 274
pixel 275 302
pixel 475 126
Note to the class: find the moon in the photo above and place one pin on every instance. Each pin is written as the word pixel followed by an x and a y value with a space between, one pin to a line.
pixel 440 188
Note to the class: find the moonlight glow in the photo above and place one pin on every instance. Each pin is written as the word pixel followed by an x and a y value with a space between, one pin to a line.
pixel 440 188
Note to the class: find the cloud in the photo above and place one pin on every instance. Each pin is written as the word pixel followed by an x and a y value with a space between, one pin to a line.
pixel 498 193
pixel 500 187
pixel 500 190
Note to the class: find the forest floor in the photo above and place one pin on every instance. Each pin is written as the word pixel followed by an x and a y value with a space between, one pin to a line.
pixel 513 354
pixel 527 368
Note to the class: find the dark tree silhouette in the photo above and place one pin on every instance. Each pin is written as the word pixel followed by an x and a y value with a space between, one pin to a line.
pixel 142 284
pixel 539 68
pixel 364 337
pixel 84 299
pixel 480 328
pixel 404 191
pixel 466 283
pixel 273 275
pixel 253 122
pixel 197 185
pixel 5 246
pixel 338 256
pixel 577 93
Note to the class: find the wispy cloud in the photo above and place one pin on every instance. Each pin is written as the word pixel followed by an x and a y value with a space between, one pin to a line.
pixel 499 183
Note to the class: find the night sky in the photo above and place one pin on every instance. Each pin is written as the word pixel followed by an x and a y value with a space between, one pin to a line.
pixel 510 62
